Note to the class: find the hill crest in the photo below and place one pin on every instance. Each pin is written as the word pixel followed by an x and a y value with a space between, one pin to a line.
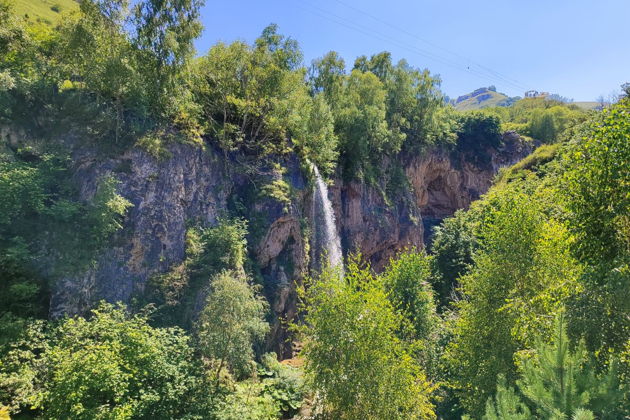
pixel 482 98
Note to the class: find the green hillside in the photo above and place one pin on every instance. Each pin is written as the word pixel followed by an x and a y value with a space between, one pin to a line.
pixel 587 105
pixel 481 98
pixel 43 11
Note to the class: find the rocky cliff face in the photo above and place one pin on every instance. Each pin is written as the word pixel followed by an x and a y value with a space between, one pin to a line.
pixel 166 194
pixel 441 182
pixel 445 182
pixel 198 186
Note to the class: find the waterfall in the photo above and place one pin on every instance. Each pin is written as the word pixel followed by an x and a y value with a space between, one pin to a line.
pixel 325 227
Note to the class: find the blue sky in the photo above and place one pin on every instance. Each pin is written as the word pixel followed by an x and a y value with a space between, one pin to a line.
pixel 576 48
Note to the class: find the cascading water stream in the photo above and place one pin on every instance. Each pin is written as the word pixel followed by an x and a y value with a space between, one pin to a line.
pixel 325 225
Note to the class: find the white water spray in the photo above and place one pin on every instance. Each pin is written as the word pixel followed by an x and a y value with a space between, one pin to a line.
pixel 328 232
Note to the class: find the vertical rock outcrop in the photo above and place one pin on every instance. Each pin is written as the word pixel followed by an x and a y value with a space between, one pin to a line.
pixel 197 186
pixel 441 183
pixel 192 184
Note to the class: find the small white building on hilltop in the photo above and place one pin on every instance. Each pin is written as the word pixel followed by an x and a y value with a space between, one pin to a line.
pixel 535 94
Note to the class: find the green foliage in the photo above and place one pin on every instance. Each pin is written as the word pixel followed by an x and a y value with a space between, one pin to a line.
pixel 132 80
pixel 361 123
pixel 477 134
pixel 543 119
pixel 583 414
pixel 22 187
pixel 231 323
pixel 550 236
pixel 99 70
pixel 314 134
pixel 624 372
pixel 278 189
pixel 414 101
pixel 22 292
pixel 248 401
pixel 163 33
pixel 276 392
pixel 108 64
pixel 548 124
pixel 154 143
pixel 106 210
pixel 96 221
pixel 256 99
pixel 522 273
pixel 40 208
pixel 542 126
pixel 354 359
pixel 406 282
pixel 532 163
pixel 284 383
pixel 209 251
pixel 553 234
pixel 379 108
pixel 598 200
pixel 21 381
pixel 598 170
pixel 219 248
pixel 558 382
pixel 133 55
pixel 508 404
pixel 18 58
pixel 454 242
pixel 326 76
pixel 112 365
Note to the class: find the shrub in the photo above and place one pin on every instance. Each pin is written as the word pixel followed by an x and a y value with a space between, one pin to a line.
pixel 354 358
pixel 112 365
pixel 231 323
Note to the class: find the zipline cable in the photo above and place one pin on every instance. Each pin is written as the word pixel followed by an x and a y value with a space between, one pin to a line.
pixel 427 54
pixel 453 53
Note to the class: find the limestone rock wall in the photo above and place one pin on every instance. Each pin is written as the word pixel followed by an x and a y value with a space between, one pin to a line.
pixel 441 183
pixel 195 185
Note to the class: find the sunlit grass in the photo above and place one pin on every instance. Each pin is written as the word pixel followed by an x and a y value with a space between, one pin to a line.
pixel 43 11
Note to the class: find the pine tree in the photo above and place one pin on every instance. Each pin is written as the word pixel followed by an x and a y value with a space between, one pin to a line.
pixel 560 383
pixel 583 414
pixel 508 406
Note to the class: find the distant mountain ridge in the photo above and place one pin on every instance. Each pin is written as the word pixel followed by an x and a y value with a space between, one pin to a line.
pixel 487 97
pixel 483 98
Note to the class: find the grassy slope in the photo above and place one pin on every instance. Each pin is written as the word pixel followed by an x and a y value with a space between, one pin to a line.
pixel 473 103
pixel 42 10
pixel 530 163
pixel 586 105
